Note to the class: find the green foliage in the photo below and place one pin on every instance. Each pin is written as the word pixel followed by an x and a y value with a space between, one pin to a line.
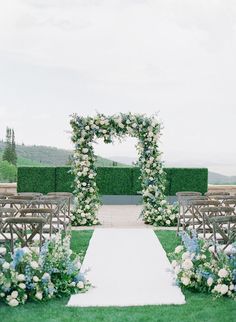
pixel 63 179
pixel 187 179
pixel 7 172
pixel 115 181
pixel 110 180
pixel 9 153
pixel 36 179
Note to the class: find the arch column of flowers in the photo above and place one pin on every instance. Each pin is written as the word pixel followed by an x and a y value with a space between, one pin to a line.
pixel 147 130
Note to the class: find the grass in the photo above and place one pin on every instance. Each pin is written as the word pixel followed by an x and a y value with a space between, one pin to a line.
pixel 199 307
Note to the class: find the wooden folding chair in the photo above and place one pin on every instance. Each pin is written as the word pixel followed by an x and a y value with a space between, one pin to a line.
pixel 183 197
pixel 26 229
pixel 211 212
pixel 46 214
pixel 225 226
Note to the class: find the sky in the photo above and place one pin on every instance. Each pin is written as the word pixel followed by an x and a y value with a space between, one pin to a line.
pixel 172 58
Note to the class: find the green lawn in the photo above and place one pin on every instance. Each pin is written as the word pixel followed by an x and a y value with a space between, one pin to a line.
pixel 199 307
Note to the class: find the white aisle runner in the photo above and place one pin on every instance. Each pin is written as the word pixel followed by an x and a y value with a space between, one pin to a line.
pixel 127 267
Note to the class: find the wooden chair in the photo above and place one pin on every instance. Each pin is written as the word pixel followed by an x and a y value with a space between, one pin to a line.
pixel 225 226
pixel 183 197
pixel 211 212
pixel 4 231
pixel 44 213
pixel 62 205
pixel 26 229
pixel 196 220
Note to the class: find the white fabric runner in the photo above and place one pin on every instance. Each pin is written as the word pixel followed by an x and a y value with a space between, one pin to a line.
pixel 128 267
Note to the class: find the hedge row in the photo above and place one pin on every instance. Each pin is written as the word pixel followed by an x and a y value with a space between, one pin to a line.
pixel 110 180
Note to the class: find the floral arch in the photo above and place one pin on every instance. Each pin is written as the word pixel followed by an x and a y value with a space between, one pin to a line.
pixel 147 130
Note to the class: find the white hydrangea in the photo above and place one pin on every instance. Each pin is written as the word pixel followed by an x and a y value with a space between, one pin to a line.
pixel 223 273
pixel 187 264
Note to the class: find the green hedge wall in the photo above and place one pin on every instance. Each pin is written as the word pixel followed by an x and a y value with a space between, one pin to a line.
pixel 36 179
pixel 63 179
pixel 110 180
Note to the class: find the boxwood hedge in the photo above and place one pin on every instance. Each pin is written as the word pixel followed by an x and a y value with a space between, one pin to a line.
pixel 110 180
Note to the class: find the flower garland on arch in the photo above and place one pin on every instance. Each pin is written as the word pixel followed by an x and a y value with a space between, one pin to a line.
pixel 147 130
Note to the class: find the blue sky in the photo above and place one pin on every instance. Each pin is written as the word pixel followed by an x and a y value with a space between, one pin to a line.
pixel 174 58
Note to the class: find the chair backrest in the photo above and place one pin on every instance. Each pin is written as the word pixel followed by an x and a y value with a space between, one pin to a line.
pixel 25 229
pixel 24 197
pixel 64 194
pixel 30 194
pixel 230 202
pixel 226 227
pixel 215 193
pixel 188 193
pixel 204 203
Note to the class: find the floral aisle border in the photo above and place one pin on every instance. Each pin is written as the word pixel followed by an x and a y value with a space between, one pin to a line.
pixel 147 130
pixel 30 274
pixel 198 269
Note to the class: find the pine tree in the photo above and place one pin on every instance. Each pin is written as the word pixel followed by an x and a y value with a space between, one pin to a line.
pixel 9 153
pixel 7 150
pixel 13 148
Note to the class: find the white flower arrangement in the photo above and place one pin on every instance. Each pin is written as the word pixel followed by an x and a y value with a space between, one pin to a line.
pixel 52 272
pixel 197 269
pixel 86 130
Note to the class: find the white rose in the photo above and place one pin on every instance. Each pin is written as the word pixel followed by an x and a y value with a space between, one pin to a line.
pixel 159 217
pixel 34 264
pixel 187 264
pixel 85 150
pixel 224 289
pixel 39 295
pixel 185 280
pixel 209 281
pixel 20 277
pixel 172 217
pixel 186 255
pixel 223 273
pixel 95 222
pixel 2 294
pixel 6 265
pixel 35 279
pixel 2 251
pixel 22 286
pixel 168 222
pixel 179 249
pixel 14 294
pixel 80 285
pixel 13 302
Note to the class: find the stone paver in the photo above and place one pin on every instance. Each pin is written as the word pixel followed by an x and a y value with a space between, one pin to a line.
pixel 121 216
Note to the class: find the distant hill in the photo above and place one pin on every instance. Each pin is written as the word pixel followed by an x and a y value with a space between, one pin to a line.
pixel 216 178
pixel 37 155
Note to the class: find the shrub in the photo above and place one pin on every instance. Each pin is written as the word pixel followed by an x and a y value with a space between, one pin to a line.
pixel 7 172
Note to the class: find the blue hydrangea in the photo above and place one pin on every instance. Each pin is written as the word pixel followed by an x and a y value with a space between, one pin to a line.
pixel 17 257
pixel 191 243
